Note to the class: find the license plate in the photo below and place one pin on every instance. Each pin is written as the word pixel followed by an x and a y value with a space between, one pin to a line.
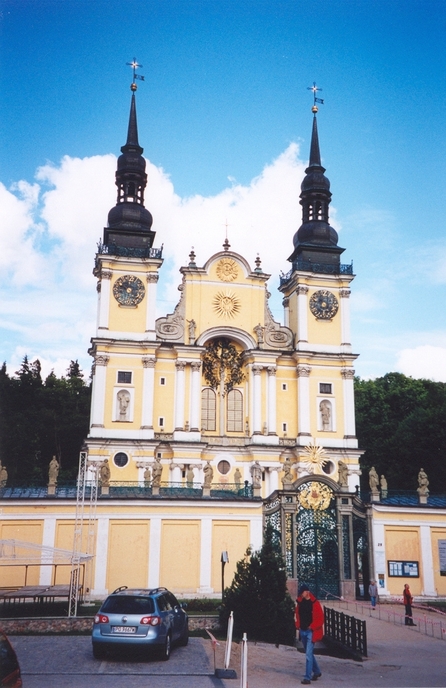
pixel 124 629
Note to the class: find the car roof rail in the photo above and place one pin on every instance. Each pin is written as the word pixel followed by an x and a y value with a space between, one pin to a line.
pixel 120 589
pixel 157 590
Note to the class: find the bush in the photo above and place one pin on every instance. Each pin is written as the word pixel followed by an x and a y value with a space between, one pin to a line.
pixel 259 598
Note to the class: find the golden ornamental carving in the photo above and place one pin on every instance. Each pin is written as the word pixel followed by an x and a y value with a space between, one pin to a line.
pixel 315 459
pixel 226 304
pixel 227 270
pixel 316 496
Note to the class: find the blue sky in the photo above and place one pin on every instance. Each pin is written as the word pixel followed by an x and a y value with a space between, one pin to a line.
pixel 224 116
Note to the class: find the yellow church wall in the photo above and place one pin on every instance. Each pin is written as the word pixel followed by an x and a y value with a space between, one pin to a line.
pixel 324 331
pixel 123 362
pixel 128 546
pixel 180 556
pixel 403 544
pixel 286 400
pixel 64 540
pixel 26 531
pixel 440 581
pixel 248 311
pixel 164 394
pixel 231 537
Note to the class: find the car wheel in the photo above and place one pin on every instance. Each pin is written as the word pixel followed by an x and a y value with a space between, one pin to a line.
pixel 98 652
pixel 167 647
pixel 184 638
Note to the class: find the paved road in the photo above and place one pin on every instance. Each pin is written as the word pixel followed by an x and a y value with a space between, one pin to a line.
pixel 399 657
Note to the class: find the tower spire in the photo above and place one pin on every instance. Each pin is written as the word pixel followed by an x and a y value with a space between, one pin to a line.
pixel 315 242
pixel 129 222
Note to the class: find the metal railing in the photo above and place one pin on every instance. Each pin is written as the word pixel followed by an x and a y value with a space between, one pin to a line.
pixel 320 268
pixel 347 630
pixel 129 251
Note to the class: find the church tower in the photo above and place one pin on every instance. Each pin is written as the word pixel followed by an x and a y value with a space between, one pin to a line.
pixel 316 302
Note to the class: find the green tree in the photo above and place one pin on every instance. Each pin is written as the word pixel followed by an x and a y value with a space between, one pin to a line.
pixel 259 598
pixel 400 425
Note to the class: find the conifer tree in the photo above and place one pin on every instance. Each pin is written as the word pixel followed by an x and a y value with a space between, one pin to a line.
pixel 259 598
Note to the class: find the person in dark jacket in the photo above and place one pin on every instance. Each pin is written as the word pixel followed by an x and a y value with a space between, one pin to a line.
pixel 408 600
pixel 309 622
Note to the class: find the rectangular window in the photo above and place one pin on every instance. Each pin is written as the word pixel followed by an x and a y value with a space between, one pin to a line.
pixel 284 386
pixel 284 427
pixel 162 380
pixel 208 409
pixel 325 388
pixel 235 411
pixel 161 422
pixel 124 377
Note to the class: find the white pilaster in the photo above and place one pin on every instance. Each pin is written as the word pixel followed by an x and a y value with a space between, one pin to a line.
pixel 148 388
pixel 206 555
pixel 257 399
pixel 427 562
pixel 104 288
pixel 256 532
pixel 272 430
pixel 175 470
pixel 345 316
pixel 286 311
pixel 154 552
pixel 180 381
pixel 152 279
pixel 302 314
pixel 100 573
pixel 48 540
pixel 195 397
pixel 303 400
pixel 348 375
pixel 98 391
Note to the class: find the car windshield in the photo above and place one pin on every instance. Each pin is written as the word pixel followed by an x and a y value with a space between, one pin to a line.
pixel 128 604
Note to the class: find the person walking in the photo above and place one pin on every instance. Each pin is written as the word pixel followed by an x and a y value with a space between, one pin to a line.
pixel 408 600
pixel 373 593
pixel 309 622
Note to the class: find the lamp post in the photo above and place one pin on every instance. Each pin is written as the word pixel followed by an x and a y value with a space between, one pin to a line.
pixel 224 560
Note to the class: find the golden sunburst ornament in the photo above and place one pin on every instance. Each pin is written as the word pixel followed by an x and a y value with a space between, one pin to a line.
pixel 316 458
pixel 226 304
pixel 227 270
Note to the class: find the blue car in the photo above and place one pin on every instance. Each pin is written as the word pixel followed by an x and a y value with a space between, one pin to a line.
pixel 140 619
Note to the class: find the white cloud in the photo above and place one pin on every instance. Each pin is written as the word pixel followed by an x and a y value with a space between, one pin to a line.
pixel 423 362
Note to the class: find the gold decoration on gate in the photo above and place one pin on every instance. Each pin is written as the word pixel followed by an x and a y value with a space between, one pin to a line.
pixel 226 304
pixel 227 270
pixel 316 496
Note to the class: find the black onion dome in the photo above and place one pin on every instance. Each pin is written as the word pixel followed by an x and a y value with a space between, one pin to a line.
pixel 131 216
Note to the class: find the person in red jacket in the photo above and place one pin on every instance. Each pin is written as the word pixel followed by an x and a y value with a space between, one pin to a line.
pixel 309 622
pixel 408 600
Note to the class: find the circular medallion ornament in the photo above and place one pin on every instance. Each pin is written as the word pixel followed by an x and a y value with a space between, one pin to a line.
pixel 128 290
pixel 227 270
pixel 324 305
pixel 316 496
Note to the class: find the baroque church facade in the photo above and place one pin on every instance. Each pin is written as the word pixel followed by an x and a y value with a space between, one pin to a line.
pixel 212 421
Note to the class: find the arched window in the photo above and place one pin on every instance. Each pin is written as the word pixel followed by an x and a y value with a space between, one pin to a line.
pixel 208 409
pixel 235 411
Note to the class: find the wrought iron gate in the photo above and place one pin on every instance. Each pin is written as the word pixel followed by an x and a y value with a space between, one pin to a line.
pixel 317 558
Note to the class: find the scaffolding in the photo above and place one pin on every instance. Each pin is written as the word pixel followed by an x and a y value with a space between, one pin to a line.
pixel 86 499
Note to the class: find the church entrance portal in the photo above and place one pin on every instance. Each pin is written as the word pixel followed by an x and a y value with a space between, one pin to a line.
pixel 323 535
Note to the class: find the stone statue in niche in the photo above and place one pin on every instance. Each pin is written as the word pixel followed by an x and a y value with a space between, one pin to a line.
pixel 256 474
pixel 258 329
pixel 3 476
pixel 192 328
pixel 208 473
pixel 325 411
pixel 373 479
pixel 190 476
pixel 423 483
pixel 343 474
pixel 147 476
pixel 157 471
pixel 53 471
pixel 104 472
pixel 238 478
pixel 123 404
pixel 287 466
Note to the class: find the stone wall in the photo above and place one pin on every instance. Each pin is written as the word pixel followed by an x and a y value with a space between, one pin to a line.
pixel 82 624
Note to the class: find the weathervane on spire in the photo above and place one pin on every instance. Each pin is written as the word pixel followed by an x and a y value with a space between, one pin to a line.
pixel 315 90
pixel 136 76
